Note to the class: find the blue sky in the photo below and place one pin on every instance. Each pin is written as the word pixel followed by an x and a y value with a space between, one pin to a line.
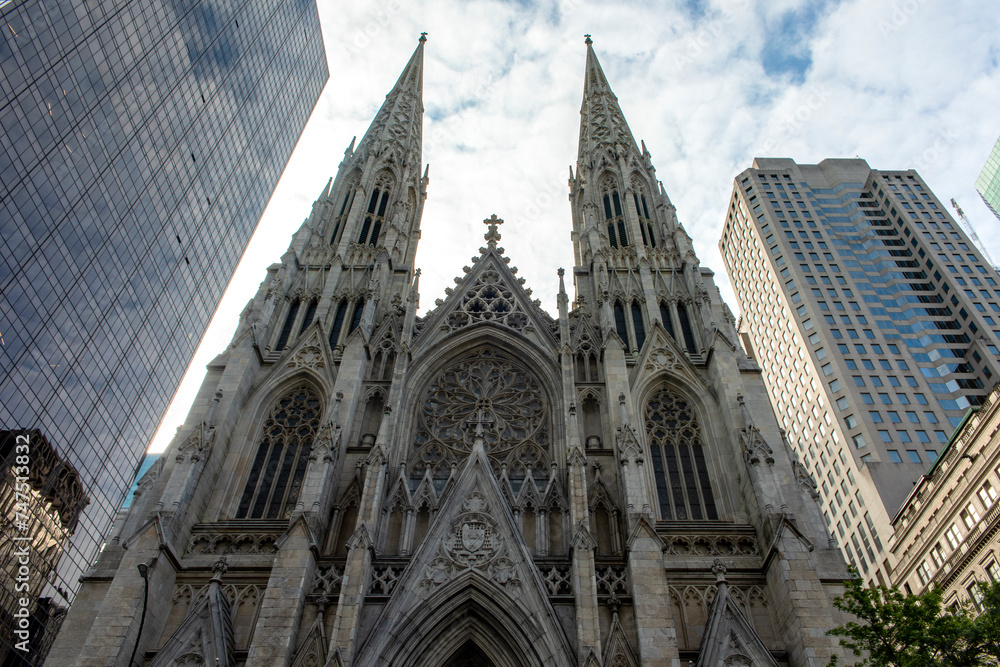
pixel 709 85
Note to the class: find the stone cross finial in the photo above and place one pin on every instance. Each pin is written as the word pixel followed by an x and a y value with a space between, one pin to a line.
pixel 423 37
pixel 588 40
pixel 492 235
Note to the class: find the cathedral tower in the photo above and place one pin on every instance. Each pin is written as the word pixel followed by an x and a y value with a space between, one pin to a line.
pixel 483 485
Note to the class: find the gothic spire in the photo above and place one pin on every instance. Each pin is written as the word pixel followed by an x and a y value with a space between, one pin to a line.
pixel 396 130
pixel 602 124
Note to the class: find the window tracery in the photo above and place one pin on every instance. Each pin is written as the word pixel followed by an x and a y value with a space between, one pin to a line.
pixel 489 300
pixel 683 487
pixel 613 216
pixel 282 454
pixel 642 210
pixel 345 209
pixel 371 227
pixel 514 417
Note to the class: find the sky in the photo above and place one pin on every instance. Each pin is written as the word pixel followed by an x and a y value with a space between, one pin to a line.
pixel 709 85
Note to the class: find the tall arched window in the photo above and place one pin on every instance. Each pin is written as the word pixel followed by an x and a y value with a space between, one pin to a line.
pixel 286 330
pixel 683 487
pixel 310 314
pixel 377 203
pixel 645 222
pixel 620 326
pixel 359 308
pixel 682 315
pixel 282 454
pixel 338 323
pixel 668 321
pixel 613 214
pixel 638 325
pixel 345 210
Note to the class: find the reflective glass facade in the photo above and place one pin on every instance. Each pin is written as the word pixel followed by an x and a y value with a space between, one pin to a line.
pixel 141 141
pixel 988 183
pixel 876 322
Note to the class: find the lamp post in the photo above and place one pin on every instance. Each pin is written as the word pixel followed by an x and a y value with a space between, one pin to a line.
pixel 144 573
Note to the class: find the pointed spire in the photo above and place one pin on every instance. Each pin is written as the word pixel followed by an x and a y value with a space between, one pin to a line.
pixel 602 124
pixel 398 123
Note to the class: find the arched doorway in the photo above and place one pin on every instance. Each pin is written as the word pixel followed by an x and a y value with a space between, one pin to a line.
pixel 468 655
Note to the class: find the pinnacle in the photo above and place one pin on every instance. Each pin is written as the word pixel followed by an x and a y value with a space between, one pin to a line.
pixel 602 123
pixel 398 123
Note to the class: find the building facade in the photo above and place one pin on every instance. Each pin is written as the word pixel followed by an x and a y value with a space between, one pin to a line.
pixel 988 183
pixel 486 484
pixel 948 530
pixel 141 142
pixel 876 321
pixel 41 499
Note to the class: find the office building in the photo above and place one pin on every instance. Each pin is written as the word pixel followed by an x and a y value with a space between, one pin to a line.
pixel 948 530
pixel 876 321
pixel 141 142
pixel 988 183
pixel 41 499
pixel 486 484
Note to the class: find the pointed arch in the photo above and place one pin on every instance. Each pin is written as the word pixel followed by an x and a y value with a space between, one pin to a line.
pixel 613 215
pixel 680 471
pixel 638 325
pixel 469 611
pixel 286 329
pixel 642 209
pixel 668 320
pixel 686 330
pixel 340 221
pixel 279 466
pixel 338 323
pixel 378 202
pixel 310 314
pixel 620 326
pixel 359 309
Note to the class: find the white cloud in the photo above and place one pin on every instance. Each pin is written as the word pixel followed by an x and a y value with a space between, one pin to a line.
pixel 910 83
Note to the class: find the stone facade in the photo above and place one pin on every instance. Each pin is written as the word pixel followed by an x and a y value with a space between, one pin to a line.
pixel 486 484
pixel 947 533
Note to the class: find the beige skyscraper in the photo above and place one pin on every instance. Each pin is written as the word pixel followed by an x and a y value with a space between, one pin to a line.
pixel 486 484
pixel 876 321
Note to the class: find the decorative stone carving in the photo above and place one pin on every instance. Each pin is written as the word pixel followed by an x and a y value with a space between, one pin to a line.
pixel 473 542
pixel 327 581
pixel 223 543
pixel 384 579
pixel 611 580
pixel 711 545
pixel 309 356
pixel 557 579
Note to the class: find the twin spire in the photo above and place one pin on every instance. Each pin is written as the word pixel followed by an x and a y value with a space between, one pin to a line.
pixel 398 123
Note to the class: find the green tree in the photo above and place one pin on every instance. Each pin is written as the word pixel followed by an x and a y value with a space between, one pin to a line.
pixel 899 630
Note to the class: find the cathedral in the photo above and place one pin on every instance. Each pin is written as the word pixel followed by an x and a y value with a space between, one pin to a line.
pixel 487 484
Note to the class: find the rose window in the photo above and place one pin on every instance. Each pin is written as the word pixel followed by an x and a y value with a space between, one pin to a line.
pixel 491 390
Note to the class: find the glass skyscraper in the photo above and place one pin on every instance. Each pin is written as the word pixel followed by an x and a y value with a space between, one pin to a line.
pixel 141 141
pixel 876 322
pixel 988 183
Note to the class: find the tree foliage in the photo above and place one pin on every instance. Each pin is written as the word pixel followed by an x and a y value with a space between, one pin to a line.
pixel 893 629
